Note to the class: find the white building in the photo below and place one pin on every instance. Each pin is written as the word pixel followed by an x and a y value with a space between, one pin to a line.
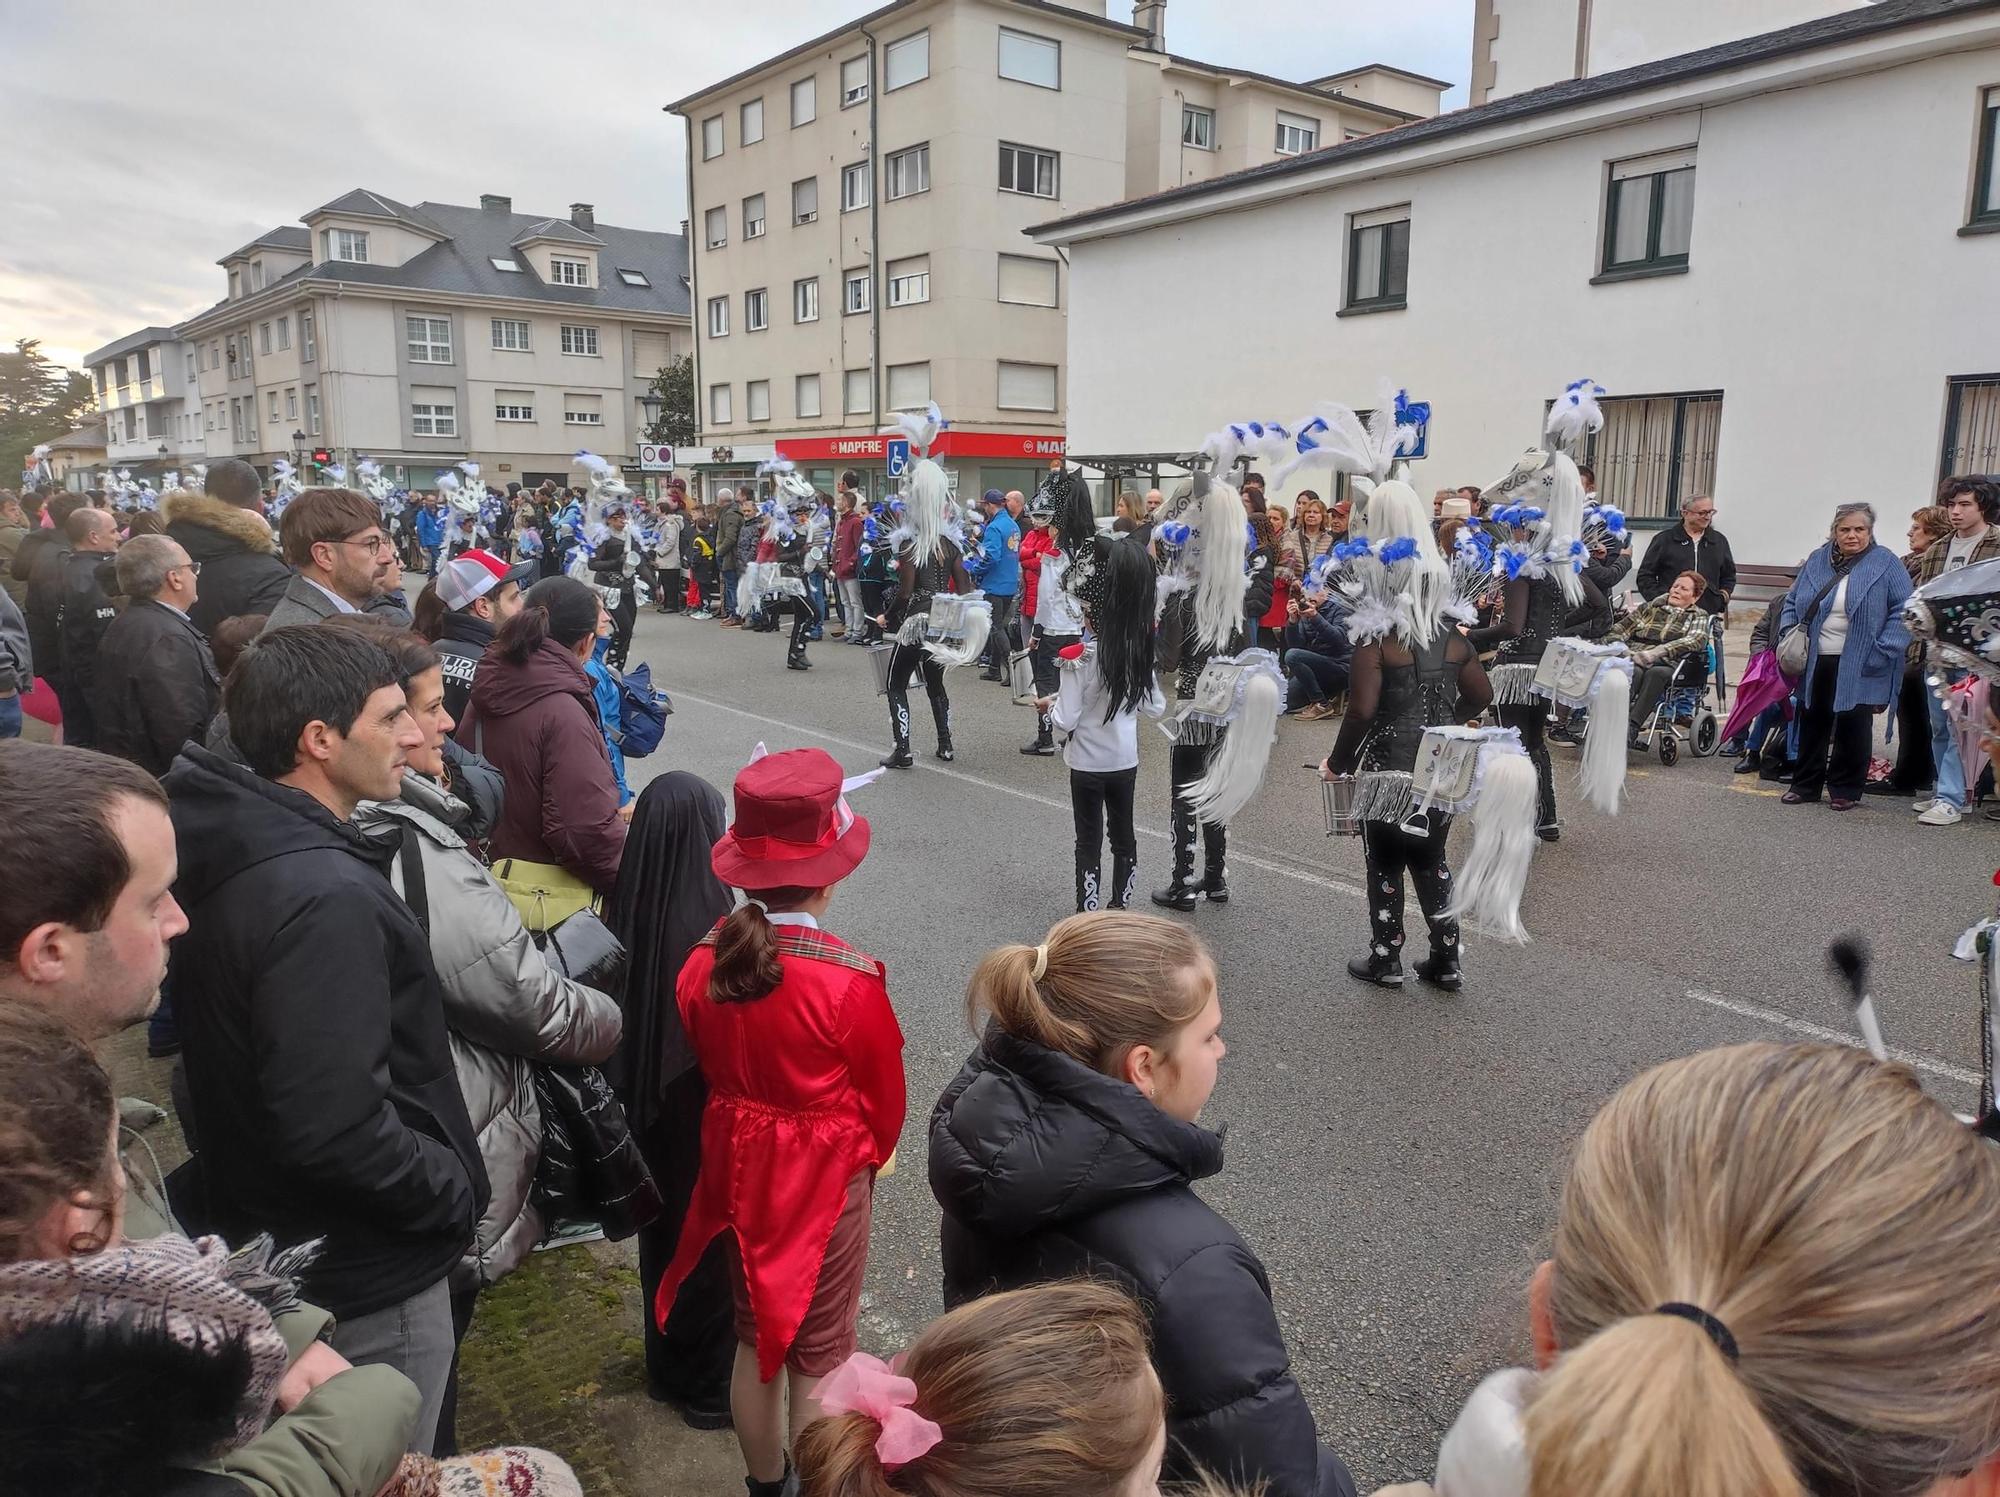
pixel 1781 255
pixel 860 201
pixel 146 394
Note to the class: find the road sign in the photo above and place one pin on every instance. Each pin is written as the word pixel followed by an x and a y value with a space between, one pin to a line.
pixel 655 457
pixel 898 454
pixel 1418 448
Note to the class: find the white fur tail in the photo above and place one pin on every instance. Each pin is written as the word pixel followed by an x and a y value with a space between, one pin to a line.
pixel 1237 768
pixel 978 624
pixel 1503 841
pixel 1602 779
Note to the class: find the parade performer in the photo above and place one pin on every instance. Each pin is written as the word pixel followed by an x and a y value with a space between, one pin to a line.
pixel 1055 615
pixel 1412 671
pixel 936 617
pixel 1217 578
pixel 800 556
pixel 1104 681
pixel 793 1031
pixel 1541 503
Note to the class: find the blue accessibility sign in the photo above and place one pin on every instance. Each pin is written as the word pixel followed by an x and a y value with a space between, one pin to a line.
pixel 898 453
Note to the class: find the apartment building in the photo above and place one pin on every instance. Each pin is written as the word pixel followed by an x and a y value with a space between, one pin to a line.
pixel 1778 254
pixel 421 335
pixel 858 207
pixel 146 394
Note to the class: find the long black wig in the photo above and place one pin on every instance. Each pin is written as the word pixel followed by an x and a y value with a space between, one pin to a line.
pixel 1122 616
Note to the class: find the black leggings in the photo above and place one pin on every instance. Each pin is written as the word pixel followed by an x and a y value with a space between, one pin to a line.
pixel 1187 764
pixel 906 662
pixel 1392 852
pixel 1095 798
pixel 805 618
pixel 1532 718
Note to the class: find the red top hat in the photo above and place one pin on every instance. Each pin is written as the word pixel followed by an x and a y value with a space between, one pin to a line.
pixel 793 828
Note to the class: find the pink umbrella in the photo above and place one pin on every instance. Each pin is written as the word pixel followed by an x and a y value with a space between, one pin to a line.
pixel 1763 685
pixel 40 703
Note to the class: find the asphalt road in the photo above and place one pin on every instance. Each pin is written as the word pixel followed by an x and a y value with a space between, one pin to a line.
pixel 1395 1158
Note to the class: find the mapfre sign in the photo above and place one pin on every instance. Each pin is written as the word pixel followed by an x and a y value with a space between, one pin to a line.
pixel 950 443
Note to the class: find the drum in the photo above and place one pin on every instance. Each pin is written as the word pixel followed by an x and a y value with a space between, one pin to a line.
pixel 1569 669
pixel 1337 794
pixel 879 655
pixel 1021 677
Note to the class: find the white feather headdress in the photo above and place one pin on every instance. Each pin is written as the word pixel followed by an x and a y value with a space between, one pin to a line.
pixel 920 429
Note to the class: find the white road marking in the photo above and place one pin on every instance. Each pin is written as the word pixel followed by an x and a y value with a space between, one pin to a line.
pixel 1822 1032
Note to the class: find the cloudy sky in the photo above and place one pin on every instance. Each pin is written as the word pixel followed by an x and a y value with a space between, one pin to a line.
pixel 145 141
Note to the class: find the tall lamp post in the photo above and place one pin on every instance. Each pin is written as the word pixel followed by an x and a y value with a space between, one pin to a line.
pixel 652 405
pixel 298 450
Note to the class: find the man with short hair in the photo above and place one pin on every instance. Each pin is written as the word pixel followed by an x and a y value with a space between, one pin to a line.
pixel 1253 493
pixel 319 1071
pixel 996 567
pixel 1016 502
pixel 85 612
pixel 848 527
pixel 728 531
pixel 1972 506
pixel 43 556
pixel 1694 545
pixel 345 560
pixel 156 684
pixel 224 532
pixel 480 592
pixel 430 531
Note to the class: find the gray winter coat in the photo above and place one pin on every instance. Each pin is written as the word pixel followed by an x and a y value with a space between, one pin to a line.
pixel 505 1009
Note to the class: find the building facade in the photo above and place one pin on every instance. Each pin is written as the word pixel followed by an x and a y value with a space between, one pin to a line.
pixel 424 335
pixel 858 208
pixel 1779 256
pixel 145 386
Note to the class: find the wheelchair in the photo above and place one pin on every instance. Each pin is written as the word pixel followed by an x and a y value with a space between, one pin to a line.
pixel 1690 710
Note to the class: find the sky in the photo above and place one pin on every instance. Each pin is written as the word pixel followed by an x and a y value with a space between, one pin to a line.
pixel 144 141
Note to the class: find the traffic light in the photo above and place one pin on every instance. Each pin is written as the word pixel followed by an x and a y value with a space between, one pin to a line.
pixel 322 456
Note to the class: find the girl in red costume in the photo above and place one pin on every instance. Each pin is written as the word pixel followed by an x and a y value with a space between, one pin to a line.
pixel 804 1062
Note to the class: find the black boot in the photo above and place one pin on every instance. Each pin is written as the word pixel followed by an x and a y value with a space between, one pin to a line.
pixel 1088 895
pixel 1215 870
pixel 944 749
pixel 786 1485
pixel 1383 971
pixel 1441 970
pixel 795 657
pixel 1124 878
pixel 899 721
pixel 1045 741
pixel 1180 893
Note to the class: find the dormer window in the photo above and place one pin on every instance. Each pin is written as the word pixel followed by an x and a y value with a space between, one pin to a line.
pixel 564 271
pixel 633 277
pixel 235 284
pixel 350 245
pixel 512 266
pixel 257 274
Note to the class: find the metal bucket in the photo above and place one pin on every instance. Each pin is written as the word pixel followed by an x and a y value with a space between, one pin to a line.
pixel 1021 677
pixel 1338 796
pixel 879 655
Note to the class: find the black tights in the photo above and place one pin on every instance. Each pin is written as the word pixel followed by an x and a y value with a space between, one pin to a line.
pixel 804 619
pixel 1532 718
pixel 1391 853
pixel 905 663
pixel 1188 763
pixel 1095 798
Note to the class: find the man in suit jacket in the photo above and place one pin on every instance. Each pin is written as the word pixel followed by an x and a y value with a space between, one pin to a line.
pixel 343 555
pixel 156 684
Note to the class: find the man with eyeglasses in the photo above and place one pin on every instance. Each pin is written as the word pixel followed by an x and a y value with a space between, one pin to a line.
pixel 343 557
pixel 1693 545
pixel 156 685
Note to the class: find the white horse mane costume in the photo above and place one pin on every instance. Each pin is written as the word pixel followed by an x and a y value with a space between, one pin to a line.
pixel 930 518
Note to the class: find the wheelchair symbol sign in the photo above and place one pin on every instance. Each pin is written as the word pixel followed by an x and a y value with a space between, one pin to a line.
pixel 898 454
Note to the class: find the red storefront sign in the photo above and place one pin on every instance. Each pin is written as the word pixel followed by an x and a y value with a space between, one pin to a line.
pixel 1020 445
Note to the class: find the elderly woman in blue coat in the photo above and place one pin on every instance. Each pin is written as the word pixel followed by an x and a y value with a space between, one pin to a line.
pixel 1849 597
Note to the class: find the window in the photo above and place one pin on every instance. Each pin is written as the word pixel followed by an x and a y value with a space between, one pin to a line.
pixel 1030 59
pixel 292 404
pixel 750 122
pixel 510 335
pixel 1655 452
pixel 805 300
pixel 215 354
pixel 718 317
pixel 854 295
pixel 433 417
pixel 583 410
pixel 429 339
pixel 715 227
pixel 909 281
pixel 1972 425
pixel 347 244
pixel 718 405
pixel 1296 134
pixel 857 392
pixel 909 172
pixel 1026 387
pixel 1197 127
pixel 757 400
pixel 1986 178
pixel 236 282
pixel 1025 169
pixel 512 267
pixel 1378 259
pixel 633 277
pixel 805 200
pixel 312 410
pixel 579 340
pixel 756 310
pixel 146 364
pixel 1649 213
pixel 711 137
pixel 909 386
pixel 1028 280
pixel 263 346
pixel 310 350
pixel 906 60
pixel 805 102
pixel 274 407
pixel 284 332
pixel 190 373
pixel 257 274
pixel 753 217
pixel 563 271
pixel 805 395
pixel 854 187
pixel 230 340
pixel 854 81
pixel 513 405
pixel 235 420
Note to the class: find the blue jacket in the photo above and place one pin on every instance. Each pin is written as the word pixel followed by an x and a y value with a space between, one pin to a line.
pixel 997 563
pixel 610 714
pixel 1871 664
pixel 430 527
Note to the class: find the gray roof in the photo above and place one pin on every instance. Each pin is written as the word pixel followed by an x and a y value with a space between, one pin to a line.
pixel 1382 67
pixel 368 204
pixel 284 237
pixel 462 264
pixel 555 228
pixel 1847 26
pixel 140 339
pixel 82 437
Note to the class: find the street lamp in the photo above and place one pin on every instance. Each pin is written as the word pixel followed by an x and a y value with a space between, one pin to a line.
pixel 652 405
pixel 298 449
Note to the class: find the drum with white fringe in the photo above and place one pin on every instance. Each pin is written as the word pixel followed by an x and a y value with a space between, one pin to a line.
pixel 1571 670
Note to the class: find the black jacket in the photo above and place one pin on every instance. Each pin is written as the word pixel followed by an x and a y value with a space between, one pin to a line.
pixel 1673 551
pixel 324 1099
pixel 44 605
pixel 86 611
pixel 240 569
pixel 460 648
pixel 156 686
pixel 1047 1169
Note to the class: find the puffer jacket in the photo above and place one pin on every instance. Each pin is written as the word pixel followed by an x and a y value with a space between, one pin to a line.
pixel 1047 1169
pixel 505 1008
pixel 240 569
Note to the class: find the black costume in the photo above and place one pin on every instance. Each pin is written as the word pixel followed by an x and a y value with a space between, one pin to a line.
pixel 609 571
pixel 917 582
pixel 805 617
pixel 1527 621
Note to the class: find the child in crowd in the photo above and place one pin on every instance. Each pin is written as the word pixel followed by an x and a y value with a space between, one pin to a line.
pixel 610 705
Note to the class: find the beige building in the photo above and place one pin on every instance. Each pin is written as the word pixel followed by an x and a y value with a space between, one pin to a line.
pixel 423 335
pixel 857 208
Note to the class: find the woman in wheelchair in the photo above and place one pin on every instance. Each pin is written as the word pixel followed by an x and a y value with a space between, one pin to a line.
pixel 1661 635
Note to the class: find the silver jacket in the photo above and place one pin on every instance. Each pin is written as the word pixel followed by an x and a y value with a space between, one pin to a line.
pixel 506 1009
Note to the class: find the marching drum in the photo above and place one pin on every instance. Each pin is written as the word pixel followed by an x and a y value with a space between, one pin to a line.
pixel 1342 819
pixel 879 655
pixel 1571 669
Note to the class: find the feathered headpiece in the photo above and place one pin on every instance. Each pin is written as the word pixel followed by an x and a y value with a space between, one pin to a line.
pixel 1247 441
pixel 1336 439
pixel 920 429
pixel 1543 494
pixel 1404 584
pixel 1206 531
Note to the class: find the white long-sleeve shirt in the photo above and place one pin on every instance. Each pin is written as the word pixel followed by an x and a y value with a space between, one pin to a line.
pixel 1055 610
pixel 1093 744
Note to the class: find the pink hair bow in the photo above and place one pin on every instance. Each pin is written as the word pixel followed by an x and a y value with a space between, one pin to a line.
pixel 867 1385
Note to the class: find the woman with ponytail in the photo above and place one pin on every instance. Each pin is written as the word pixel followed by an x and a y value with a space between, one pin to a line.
pixel 803 1059
pixel 1045 1392
pixel 1069 1144
pixel 1776 1273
